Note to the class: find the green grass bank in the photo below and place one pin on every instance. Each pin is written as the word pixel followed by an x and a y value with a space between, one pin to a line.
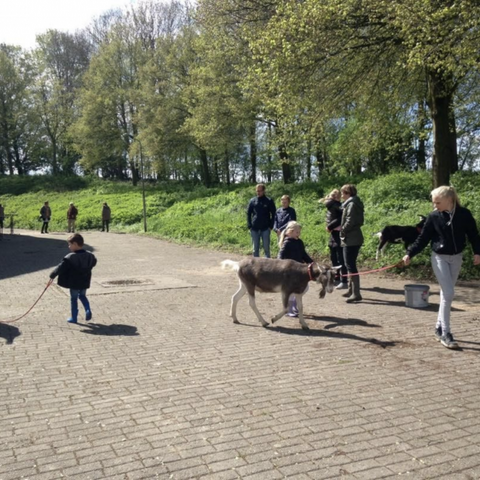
pixel 215 217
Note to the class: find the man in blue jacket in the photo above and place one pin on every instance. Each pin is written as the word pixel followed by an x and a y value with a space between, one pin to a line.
pixel 260 217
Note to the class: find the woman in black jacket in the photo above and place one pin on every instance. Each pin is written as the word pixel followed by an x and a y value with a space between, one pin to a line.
pixel 447 229
pixel 333 220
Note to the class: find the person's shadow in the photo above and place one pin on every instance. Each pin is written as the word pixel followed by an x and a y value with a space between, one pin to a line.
pixel 9 332
pixel 114 329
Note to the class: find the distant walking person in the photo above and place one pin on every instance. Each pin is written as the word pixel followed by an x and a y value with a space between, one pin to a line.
pixel 446 229
pixel 106 216
pixel 45 215
pixel 283 215
pixel 260 218
pixel 72 213
pixel 75 273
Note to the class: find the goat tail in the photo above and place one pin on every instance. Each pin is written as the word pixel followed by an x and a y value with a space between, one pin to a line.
pixel 230 264
pixel 378 234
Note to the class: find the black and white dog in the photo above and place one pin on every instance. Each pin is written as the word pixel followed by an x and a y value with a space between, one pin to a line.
pixel 398 234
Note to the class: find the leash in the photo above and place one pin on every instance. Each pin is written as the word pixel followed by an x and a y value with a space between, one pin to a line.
pixel 399 264
pixel 31 308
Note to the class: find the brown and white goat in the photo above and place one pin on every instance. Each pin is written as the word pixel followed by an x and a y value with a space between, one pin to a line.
pixel 284 276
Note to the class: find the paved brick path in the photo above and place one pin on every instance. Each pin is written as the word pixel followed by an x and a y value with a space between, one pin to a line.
pixel 161 383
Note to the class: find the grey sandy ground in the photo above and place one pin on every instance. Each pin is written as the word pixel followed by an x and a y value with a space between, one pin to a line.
pixel 161 383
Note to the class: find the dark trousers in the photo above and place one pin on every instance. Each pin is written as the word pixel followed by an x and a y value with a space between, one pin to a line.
pixel 336 257
pixel 105 224
pixel 350 255
pixel 45 227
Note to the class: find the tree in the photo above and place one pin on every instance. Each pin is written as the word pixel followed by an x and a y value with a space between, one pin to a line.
pixel 330 52
pixel 61 60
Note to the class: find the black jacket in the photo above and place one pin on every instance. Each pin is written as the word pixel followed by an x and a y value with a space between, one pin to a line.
pixel 447 236
pixel 294 249
pixel 282 217
pixel 333 220
pixel 260 213
pixel 75 270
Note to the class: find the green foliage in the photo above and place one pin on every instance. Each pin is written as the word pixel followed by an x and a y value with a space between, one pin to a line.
pixel 216 217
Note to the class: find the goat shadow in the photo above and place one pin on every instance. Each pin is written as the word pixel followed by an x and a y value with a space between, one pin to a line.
pixel 331 334
pixel 114 329
pixel 341 322
pixel 9 332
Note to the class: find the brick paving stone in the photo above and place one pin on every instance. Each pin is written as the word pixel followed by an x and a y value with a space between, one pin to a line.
pixel 161 383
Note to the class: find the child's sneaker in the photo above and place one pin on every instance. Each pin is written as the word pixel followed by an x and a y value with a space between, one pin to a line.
pixel 88 315
pixel 438 333
pixel 448 341
pixel 72 320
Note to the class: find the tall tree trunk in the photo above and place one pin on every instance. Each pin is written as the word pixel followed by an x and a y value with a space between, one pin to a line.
pixel 309 160
pixel 54 156
pixel 286 165
pixel 226 166
pixel 269 156
pixel 440 100
pixel 421 150
pixel 253 152
pixel 204 167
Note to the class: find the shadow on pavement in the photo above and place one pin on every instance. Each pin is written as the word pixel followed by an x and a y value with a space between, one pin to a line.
pixel 331 334
pixel 341 322
pixel 9 332
pixel 23 254
pixel 384 291
pixel 114 329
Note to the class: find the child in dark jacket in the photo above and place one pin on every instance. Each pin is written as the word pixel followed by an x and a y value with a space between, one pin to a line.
pixel 292 248
pixel 334 220
pixel 75 273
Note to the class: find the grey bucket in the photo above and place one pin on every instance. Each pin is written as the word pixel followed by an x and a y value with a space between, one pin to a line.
pixel 416 296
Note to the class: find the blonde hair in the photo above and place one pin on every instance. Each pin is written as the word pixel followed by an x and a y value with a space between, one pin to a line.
pixel 333 195
pixel 446 192
pixel 286 197
pixel 291 226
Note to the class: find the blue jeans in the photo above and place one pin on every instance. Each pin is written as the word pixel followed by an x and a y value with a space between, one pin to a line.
pixel 75 295
pixel 446 269
pixel 265 236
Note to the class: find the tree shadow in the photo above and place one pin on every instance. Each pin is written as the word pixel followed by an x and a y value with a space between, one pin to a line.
pixel 23 254
pixel 9 332
pixel 331 334
pixel 115 329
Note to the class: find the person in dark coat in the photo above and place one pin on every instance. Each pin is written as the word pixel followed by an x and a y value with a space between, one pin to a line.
pixel 72 213
pixel 260 218
pixel 2 216
pixel 351 238
pixel 45 216
pixel 283 215
pixel 446 229
pixel 75 273
pixel 106 216
pixel 292 248
pixel 333 221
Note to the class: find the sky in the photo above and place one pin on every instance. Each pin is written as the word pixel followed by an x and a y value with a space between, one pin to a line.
pixel 22 20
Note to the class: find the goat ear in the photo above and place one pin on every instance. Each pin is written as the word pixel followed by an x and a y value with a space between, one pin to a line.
pixel 321 268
